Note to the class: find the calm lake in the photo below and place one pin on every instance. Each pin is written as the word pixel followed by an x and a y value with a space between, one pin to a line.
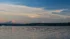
pixel 38 32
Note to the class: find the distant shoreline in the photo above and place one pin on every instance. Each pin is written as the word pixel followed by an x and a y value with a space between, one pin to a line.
pixel 35 24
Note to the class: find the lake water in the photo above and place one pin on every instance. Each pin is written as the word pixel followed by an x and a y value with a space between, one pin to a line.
pixel 38 32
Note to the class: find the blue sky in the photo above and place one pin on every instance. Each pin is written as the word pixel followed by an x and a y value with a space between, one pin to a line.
pixel 50 4
pixel 36 10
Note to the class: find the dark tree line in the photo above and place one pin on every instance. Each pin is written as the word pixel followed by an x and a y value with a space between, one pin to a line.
pixel 37 24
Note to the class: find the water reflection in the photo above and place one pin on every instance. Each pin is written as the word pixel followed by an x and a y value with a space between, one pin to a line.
pixel 38 32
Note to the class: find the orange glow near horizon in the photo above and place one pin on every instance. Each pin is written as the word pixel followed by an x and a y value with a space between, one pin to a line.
pixel 2 20
pixel 13 21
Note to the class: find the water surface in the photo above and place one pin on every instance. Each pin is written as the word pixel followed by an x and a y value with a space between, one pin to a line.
pixel 38 32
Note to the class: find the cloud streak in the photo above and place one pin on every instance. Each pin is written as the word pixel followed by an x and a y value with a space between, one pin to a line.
pixel 59 11
pixel 25 12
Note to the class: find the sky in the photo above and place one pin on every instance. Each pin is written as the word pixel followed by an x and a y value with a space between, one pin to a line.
pixel 35 11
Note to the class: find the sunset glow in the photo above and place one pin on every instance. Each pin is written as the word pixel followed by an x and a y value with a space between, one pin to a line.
pixel 29 11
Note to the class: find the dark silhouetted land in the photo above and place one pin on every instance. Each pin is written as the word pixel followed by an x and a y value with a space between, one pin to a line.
pixel 35 24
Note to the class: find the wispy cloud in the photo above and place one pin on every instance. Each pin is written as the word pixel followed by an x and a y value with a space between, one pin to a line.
pixel 9 10
pixel 58 11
